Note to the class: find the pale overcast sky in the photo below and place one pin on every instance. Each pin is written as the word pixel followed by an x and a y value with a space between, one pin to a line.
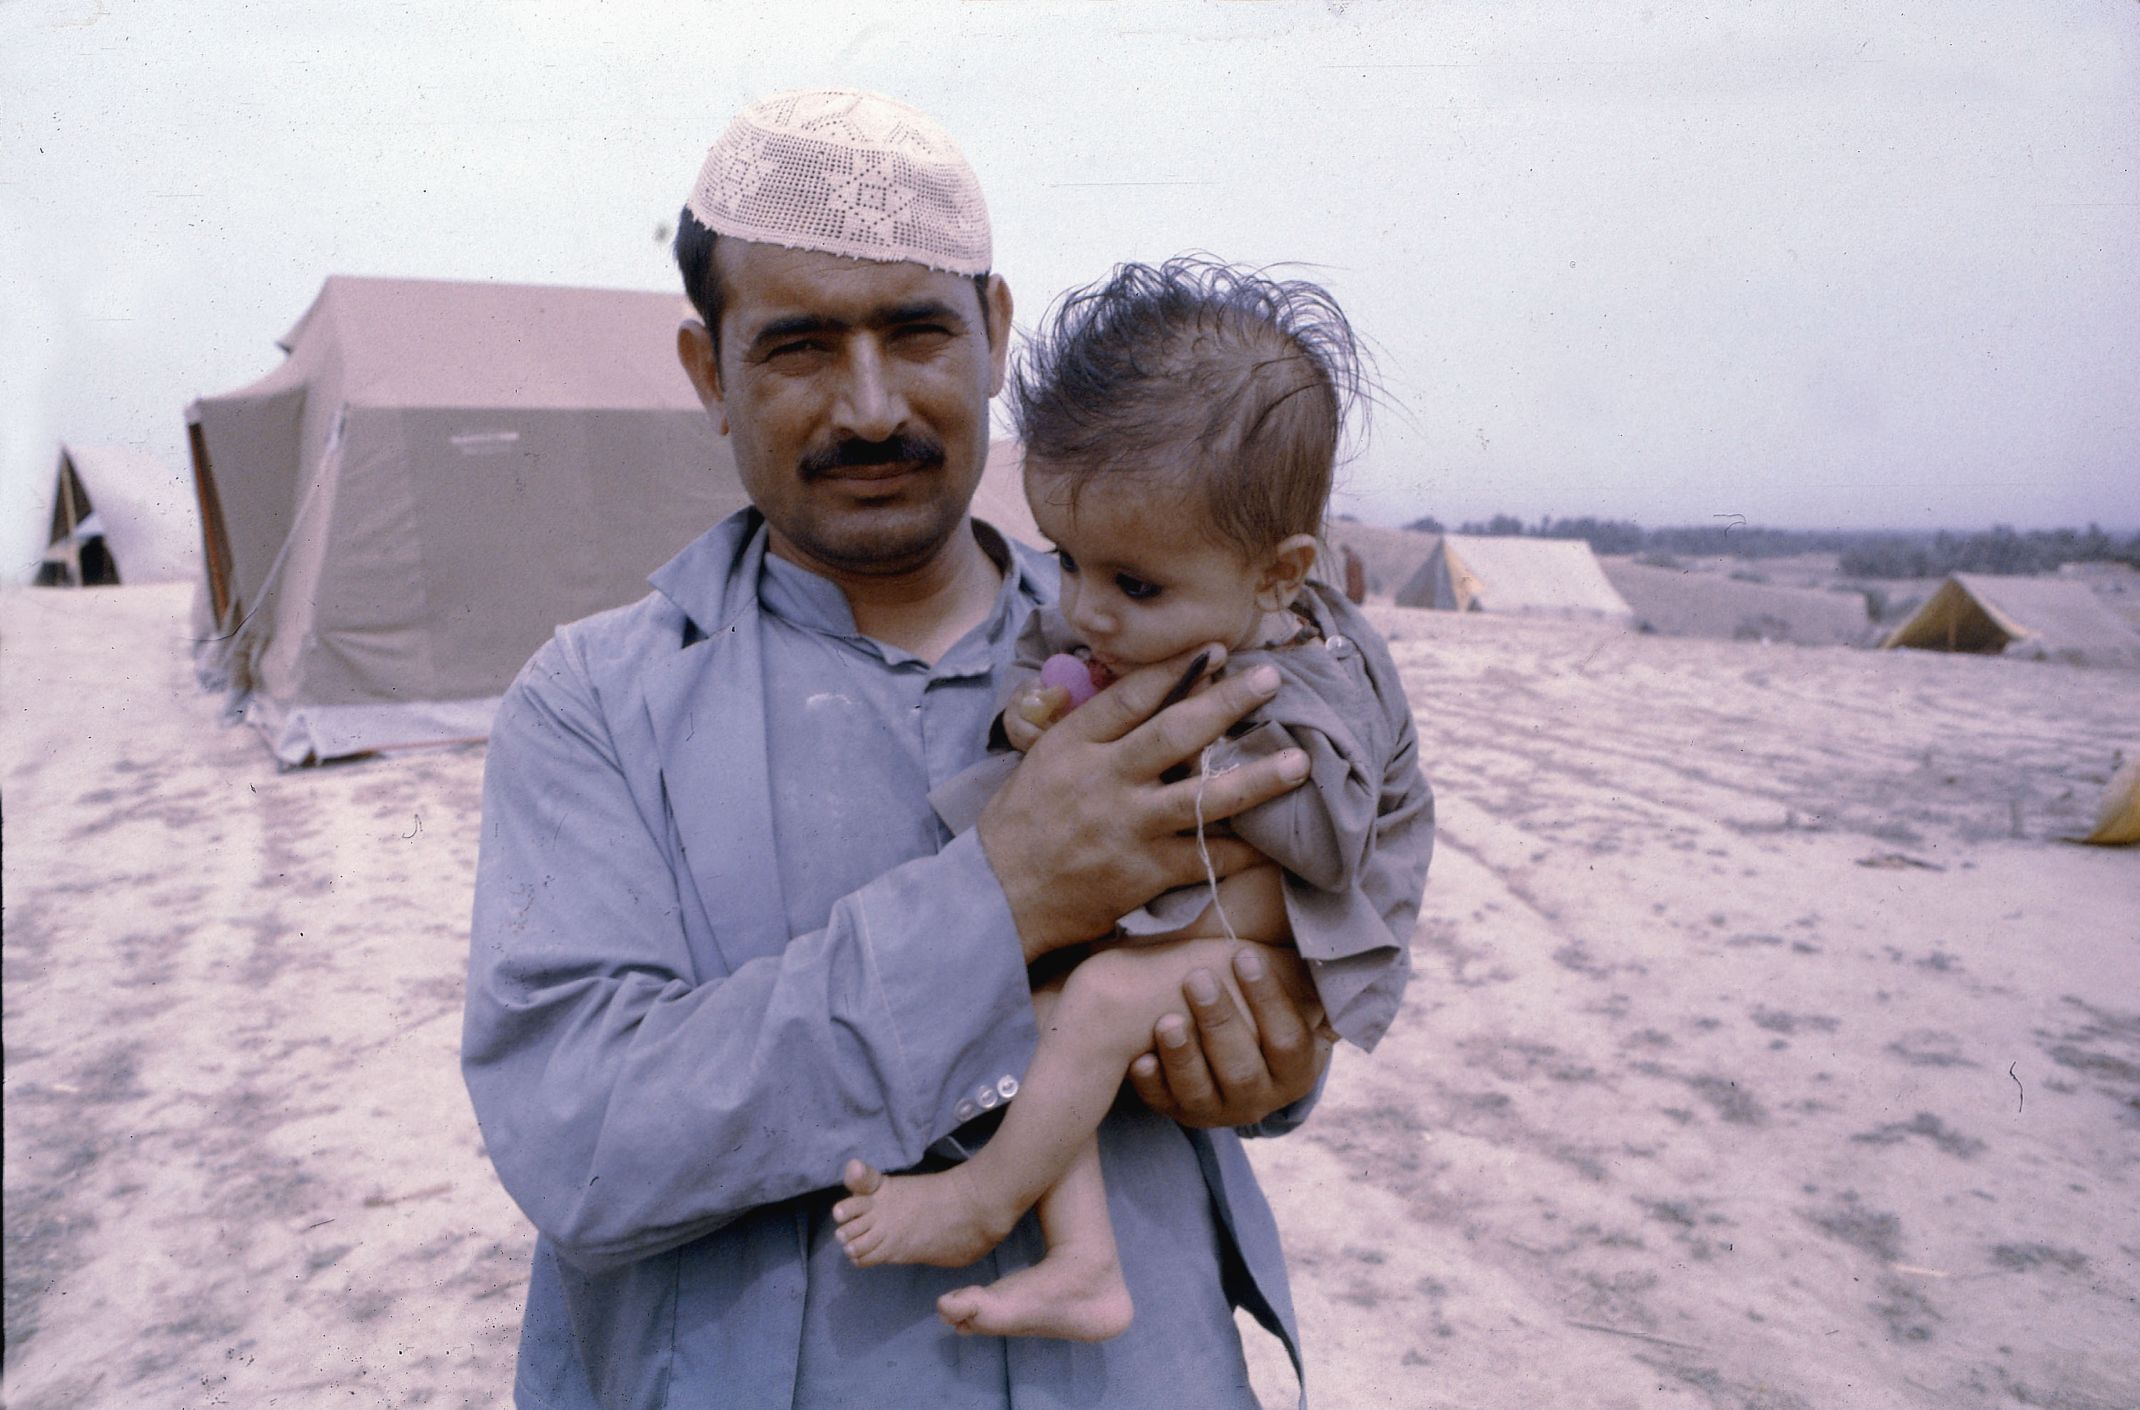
pixel 1814 263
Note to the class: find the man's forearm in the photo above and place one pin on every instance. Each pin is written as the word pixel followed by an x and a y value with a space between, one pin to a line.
pixel 632 1092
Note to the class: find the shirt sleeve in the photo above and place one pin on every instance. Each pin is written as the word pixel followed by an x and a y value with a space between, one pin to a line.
pixel 633 1103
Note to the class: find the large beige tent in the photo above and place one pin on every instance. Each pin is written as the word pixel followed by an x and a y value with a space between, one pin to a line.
pixel 437 476
pixel 1553 577
pixel 2053 619
pixel 119 516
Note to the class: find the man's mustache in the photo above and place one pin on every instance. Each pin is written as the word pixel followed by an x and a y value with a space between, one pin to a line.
pixel 854 453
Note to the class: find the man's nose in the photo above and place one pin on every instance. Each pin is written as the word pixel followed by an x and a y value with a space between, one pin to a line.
pixel 870 405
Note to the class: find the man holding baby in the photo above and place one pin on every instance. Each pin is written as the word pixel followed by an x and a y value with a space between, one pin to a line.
pixel 723 945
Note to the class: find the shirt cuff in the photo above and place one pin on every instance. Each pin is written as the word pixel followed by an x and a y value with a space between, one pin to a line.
pixel 951 971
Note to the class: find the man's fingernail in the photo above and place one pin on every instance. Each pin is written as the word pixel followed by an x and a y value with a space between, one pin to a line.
pixel 1249 965
pixel 1173 1031
pixel 1202 987
pixel 1264 680
pixel 1293 765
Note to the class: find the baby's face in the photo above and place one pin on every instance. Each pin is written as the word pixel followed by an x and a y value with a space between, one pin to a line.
pixel 1143 578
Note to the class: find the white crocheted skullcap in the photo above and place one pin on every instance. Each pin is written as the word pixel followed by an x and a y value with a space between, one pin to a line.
pixel 848 173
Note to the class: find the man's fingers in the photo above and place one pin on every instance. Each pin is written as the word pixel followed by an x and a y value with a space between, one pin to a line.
pixel 1269 984
pixel 1183 1072
pixel 1130 701
pixel 1230 1045
pixel 1177 735
pixel 1234 791
pixel 1150 1081
pixel 1178 863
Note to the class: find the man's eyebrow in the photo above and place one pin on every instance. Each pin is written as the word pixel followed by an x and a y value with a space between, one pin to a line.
pixel 920 311
pixel 810 325
pixel 800 325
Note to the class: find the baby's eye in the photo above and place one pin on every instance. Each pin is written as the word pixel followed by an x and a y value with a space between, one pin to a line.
pixel 1136 589
pixel 1063 558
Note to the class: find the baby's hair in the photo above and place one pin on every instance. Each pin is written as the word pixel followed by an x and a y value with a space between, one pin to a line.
pixel 1241 381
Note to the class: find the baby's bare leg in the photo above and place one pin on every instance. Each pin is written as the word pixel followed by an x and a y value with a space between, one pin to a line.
pixel 1103 1019
pixel 1076 1292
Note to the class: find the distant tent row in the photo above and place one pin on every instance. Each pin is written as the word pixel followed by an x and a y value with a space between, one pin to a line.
pixel 440 473
pixel 2055 619
pixel 118 516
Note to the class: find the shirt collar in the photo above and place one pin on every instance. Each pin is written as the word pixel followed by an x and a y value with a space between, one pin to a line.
pixel 803 599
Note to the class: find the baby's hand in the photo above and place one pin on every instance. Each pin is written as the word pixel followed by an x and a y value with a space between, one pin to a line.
pixel 1065 682
pixel 1031 711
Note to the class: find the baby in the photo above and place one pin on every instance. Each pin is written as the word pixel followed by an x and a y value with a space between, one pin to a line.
pixel 1181 426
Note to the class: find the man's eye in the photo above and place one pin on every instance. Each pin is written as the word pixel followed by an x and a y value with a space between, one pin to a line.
pixel 1063 558
pixel 922 333
pixel 802 347
pixel 1136 589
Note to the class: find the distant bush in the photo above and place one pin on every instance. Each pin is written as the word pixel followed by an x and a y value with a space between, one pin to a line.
pixel 2000 550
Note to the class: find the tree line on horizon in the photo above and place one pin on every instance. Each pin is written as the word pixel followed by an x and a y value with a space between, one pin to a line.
pixel 1861 553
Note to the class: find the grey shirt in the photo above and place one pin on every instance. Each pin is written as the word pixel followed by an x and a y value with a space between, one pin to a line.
pixel 695 990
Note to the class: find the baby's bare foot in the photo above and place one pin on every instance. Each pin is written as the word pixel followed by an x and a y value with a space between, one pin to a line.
pixel 938 1219
pixel 1072 1294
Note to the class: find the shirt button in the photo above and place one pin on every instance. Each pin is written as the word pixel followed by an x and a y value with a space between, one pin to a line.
pixel 1007 1085
pixel 965 1111
pixel 988 1097
pixel 1339 647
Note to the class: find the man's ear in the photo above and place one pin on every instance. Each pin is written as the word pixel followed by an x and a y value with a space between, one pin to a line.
pixel 1284 572
pixel 997 310
pixel 695 350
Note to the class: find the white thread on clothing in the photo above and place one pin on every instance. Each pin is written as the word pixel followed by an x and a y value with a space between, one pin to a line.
pixel 1204 774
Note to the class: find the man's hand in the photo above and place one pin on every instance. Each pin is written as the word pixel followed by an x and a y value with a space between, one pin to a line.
pixel 1085 831
pixel 1224 1072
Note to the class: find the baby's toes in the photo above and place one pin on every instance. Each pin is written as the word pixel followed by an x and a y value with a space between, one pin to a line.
pixel 865 1247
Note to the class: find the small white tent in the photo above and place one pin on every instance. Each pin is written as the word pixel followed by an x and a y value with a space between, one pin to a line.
pixel 1551 577
pixel 119 516
pixel 2054 619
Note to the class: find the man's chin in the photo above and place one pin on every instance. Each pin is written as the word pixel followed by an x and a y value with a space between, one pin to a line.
pixel 878 539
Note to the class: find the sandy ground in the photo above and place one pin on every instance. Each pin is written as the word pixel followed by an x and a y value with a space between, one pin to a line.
pixel 1766 1047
